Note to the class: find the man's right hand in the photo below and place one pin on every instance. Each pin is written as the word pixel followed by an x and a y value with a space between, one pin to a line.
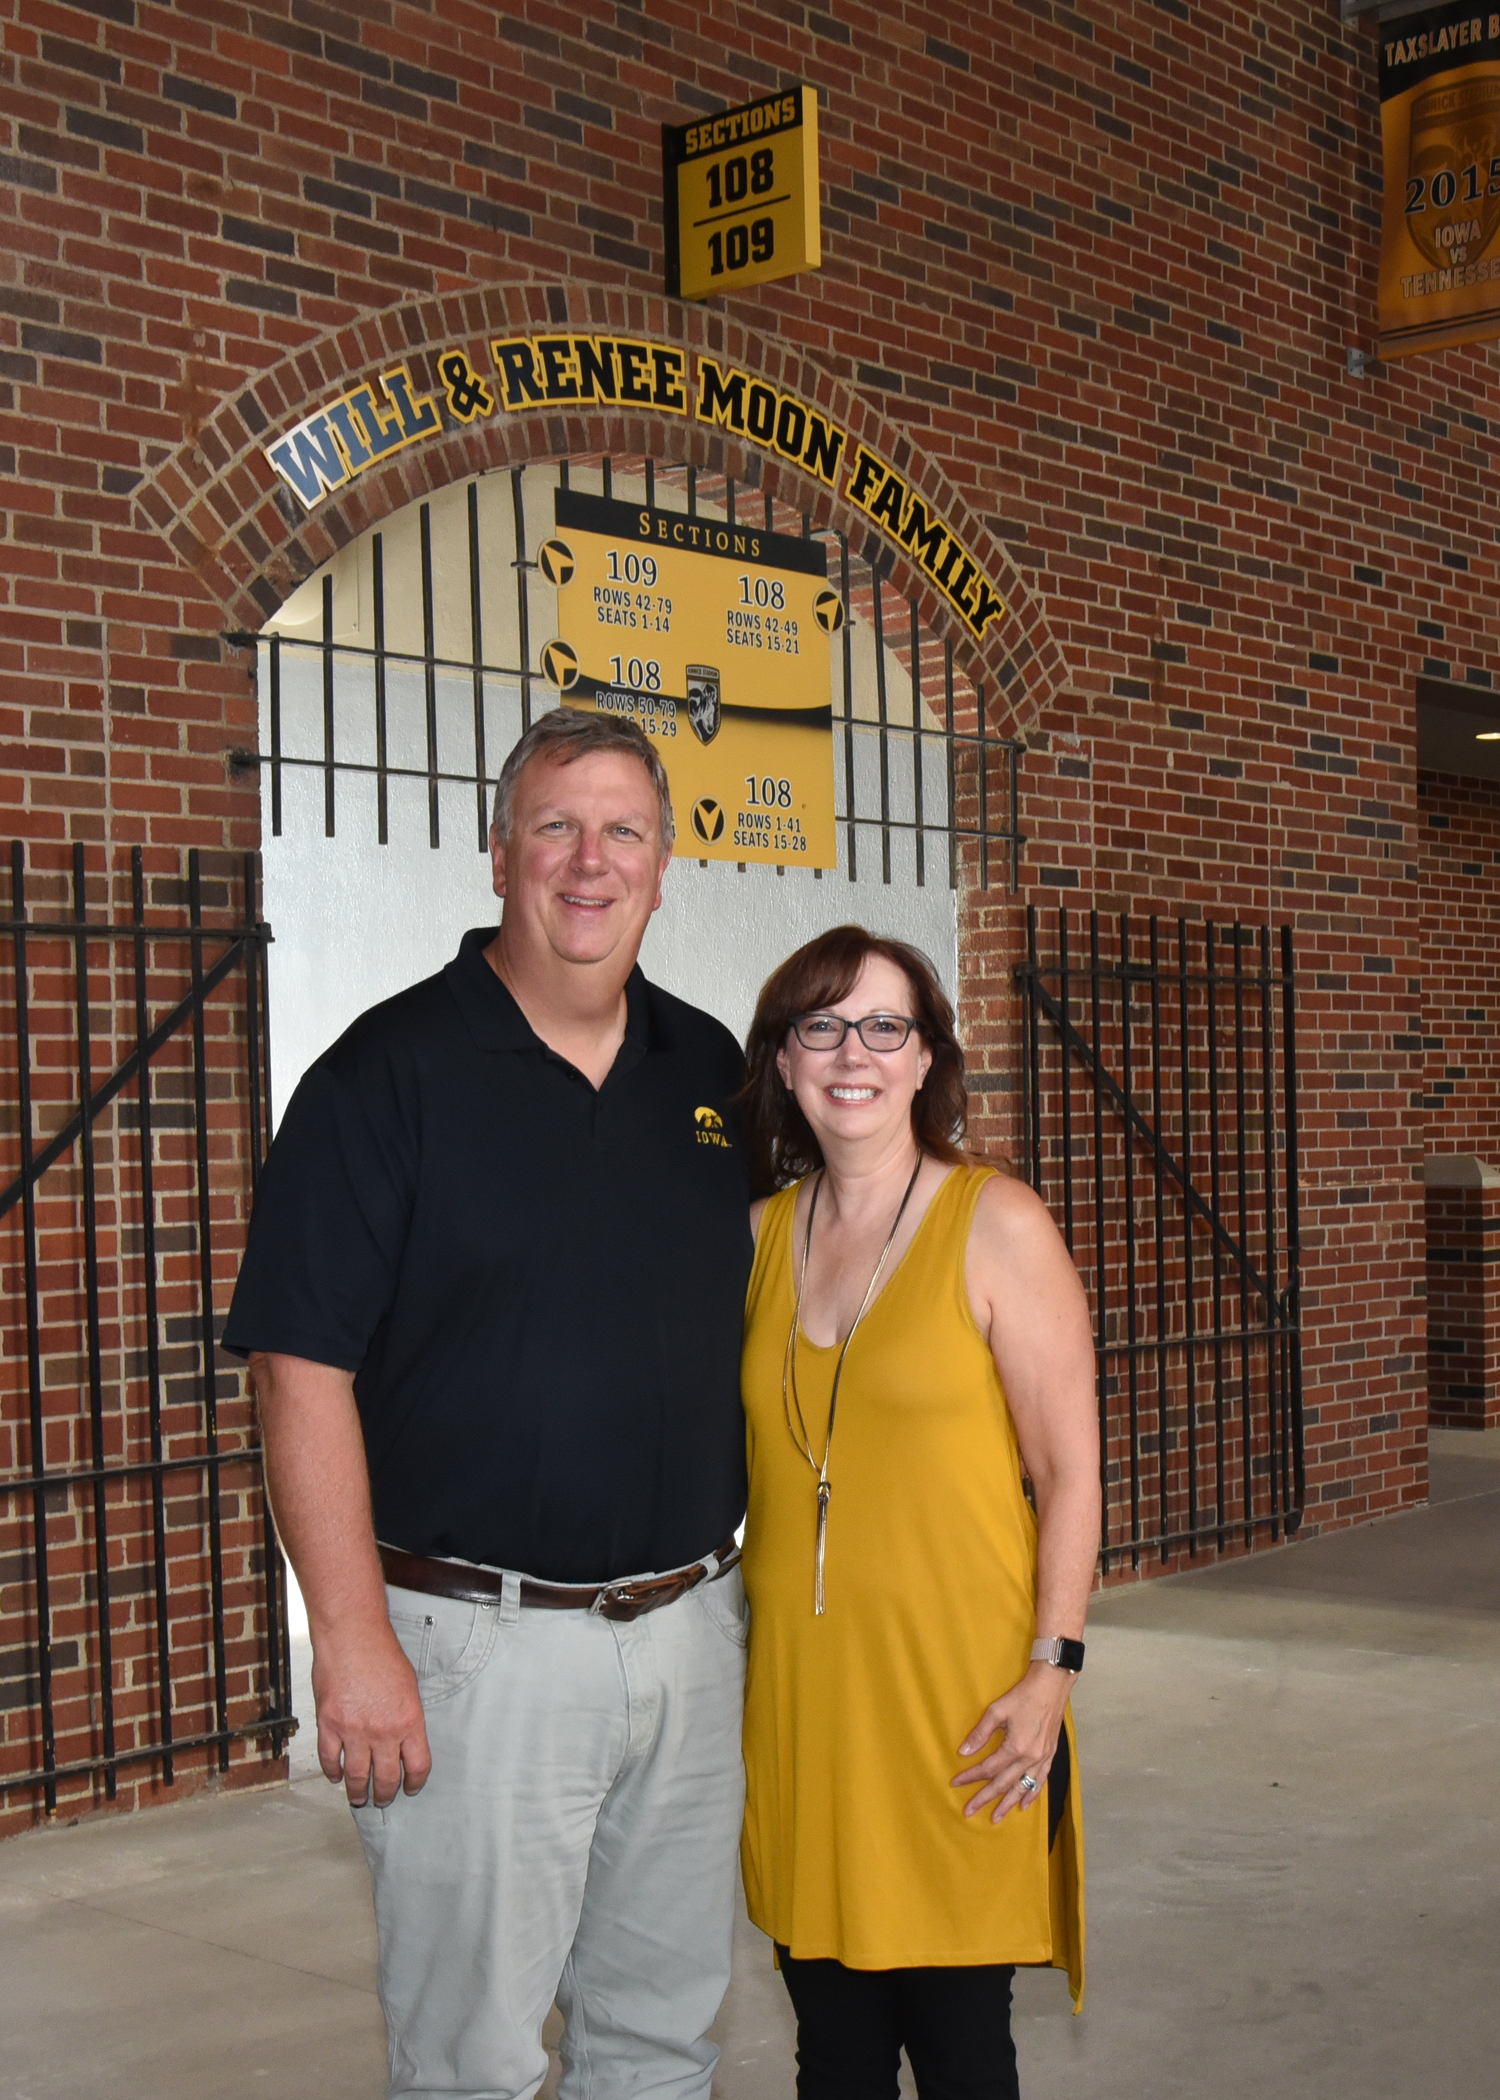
pixel 370 1728
pixel 371 1734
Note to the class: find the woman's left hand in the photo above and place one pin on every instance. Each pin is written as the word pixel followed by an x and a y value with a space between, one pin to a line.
pixel 1031 1714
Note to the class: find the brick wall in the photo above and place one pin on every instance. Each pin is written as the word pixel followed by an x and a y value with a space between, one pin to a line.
pixel 1091 275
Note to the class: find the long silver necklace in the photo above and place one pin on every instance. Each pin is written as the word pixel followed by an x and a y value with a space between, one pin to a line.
pixel 789 1394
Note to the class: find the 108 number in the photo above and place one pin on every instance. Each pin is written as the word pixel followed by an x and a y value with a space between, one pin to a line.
pixel 641 677
pixel 729 180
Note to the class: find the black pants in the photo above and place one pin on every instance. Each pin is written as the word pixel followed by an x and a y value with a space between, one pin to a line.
pixel 853 2023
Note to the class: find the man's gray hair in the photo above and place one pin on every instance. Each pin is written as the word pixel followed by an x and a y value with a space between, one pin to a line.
pixel 566 733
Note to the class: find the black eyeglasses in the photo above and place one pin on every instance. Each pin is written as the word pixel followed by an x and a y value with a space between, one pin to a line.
pixel 882 1032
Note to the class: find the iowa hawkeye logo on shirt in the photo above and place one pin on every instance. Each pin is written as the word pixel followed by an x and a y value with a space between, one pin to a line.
pixel 711 1128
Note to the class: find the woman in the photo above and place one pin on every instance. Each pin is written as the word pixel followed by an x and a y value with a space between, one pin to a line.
pixel 916 1338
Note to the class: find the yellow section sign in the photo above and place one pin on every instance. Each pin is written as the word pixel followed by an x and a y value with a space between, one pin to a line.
pixel 740 195
pixel 713 638
pixel 1440 126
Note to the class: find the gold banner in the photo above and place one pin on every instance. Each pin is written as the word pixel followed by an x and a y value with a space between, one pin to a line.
pixel 713 638
pixel 1440 125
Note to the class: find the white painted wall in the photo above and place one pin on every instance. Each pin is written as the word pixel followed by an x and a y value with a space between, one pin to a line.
pixel 354 922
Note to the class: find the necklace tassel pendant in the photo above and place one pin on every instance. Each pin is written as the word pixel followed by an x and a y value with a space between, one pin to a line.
pixel 824 1491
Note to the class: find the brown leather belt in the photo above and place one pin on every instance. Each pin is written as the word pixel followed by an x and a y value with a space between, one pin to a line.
pixel 610 1600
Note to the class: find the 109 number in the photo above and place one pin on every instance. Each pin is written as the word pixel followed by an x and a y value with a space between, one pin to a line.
pixel 736 248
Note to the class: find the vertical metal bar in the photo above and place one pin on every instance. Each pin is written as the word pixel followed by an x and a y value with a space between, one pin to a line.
pixel 770 512
pixel 523 595
pixel 1100 1276
pixel 276 736
pixel 1268 1154
pixel 607 475
pixel 153 1329
pixel 882 718
pixel 1215 1245
pixel 1241 1172
pixel 1013 779
pixel 984 786
pixel 650 482
pixel 476 649
pixel 252 1016
pixel 916 742
pixel 1188 1310
pixel 328 745
pixel 93 1353
pixel 1163 1442
pixel 951 742
pixel 33 1334
pixel 692 490
pixel 1034 1135
pixel 382 751
pixel 1028 1047
pixel 1065 997
pixel 206 1309
pixel 851 833
pixel 275 1617
pixel 729 499
pixel 1293 1297
pixel 429 672
pixel 1131 1336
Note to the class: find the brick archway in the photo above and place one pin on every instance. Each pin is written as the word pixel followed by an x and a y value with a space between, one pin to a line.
pixel 223 511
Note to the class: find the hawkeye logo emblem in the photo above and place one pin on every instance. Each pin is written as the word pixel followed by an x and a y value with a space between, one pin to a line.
pixel 711 1128
pixel 708 820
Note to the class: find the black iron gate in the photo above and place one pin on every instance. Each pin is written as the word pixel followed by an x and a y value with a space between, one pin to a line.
pixel 925 786
pixel 1159 1122
pixel 144 1607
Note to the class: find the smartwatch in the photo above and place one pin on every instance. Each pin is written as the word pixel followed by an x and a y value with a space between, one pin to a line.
pixel 1062 1653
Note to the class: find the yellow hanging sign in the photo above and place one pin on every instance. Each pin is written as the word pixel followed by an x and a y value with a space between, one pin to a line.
pixel 740 195
pixel 1440 124
pixel 713 638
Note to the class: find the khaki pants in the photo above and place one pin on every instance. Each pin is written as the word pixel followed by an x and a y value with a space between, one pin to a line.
pixel 576 1840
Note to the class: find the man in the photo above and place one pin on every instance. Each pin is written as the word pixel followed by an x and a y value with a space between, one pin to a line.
pixel 492 1301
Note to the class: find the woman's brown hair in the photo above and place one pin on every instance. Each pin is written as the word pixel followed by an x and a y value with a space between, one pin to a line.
pixel 778 1140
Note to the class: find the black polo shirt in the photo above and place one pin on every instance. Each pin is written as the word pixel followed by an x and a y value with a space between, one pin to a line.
pixel 539 1288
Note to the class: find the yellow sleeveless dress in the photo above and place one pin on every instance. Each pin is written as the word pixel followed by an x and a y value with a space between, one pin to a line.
pixel 855 1844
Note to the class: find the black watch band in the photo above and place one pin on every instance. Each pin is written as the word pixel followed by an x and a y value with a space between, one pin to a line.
pixel 1062 1653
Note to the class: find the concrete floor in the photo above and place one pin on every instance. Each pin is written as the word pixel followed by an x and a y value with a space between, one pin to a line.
pixel 1292 1788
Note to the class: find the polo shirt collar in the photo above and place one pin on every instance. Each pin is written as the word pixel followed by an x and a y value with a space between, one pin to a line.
pixel 496 1022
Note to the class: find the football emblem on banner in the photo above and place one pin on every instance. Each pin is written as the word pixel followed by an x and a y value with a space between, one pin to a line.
pixel 705 711
pixel 555 560
pixel 560 665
